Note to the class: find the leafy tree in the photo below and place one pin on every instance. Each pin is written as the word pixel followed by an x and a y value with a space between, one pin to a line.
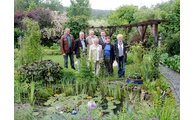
pixel 41 15
pixel 123 15
pixel 144 14
pixel 31 49
pixel 27 5
pixel 75 24
pixel 54 5
pixel 51 35
pixel 18 17
pixel 79 7
pixel 24 4
pixel 171 31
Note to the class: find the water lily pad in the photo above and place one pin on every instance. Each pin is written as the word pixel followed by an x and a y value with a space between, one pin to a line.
pixel 112 107
pixel 116 101
pixel 35 113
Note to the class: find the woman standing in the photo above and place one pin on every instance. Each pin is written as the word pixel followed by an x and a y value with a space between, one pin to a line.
pixel 96 53
pixel 109 56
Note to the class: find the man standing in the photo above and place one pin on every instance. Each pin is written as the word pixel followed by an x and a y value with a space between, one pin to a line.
pixel 67 47
pixel 80 44
pixel 90 38
pixel 102 39
pixel 120 49
pixel 109 56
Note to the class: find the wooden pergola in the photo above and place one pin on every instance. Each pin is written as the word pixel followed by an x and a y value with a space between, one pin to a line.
pixel 141 27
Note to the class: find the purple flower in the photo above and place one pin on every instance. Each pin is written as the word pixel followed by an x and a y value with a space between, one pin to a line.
pixel 87 116
pixel 93 105
pixel 135 117
pixel 90 118
pixel 144 117
pixel 82 119
pixel 89 108
pixel 153 119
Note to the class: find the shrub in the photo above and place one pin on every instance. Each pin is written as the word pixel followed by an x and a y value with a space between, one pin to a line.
pixel 130 57
pixel 45 71
pixel 172 62
pixel 31 49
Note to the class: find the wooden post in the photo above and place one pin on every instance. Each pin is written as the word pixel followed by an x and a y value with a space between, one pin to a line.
pixel 142 31
pixel 144 28
pixel 86 32
pixel 154 30
pixel 156 35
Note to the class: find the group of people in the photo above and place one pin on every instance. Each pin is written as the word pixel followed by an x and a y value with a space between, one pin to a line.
pixel 98 49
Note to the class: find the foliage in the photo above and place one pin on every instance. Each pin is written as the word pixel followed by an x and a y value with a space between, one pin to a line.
pixel 99 14
pixel 173 62
pixel 55 5
pixel 98 23
pixel 78 8
pixel 86 80
pixel 45 71
pixel 41 15
pixel 18 17
pixel 27 5
pixel 123 15
pixel 156 59
pixel 52 35
pixel 31 49
pixel 130 58
pixel 76 24
pixel 144 14
pixel 171 31
pixel 172 44
pixel 23 111
pixel 17 34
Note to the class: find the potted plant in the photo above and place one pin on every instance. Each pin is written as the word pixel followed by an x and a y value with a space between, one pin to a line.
pixel 135 75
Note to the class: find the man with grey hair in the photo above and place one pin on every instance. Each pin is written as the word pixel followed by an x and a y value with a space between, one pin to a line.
pixel 120 49
pixel 67 48
pixel 80 44
pixel 90 38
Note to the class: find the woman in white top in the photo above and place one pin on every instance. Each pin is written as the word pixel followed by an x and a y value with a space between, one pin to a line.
pixel 96 54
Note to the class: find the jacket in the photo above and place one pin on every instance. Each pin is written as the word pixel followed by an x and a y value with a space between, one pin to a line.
pixel 125 49
pixel 101 42
pixel 64 44
pixel 78 46
pixel 112 55
pixel 93 52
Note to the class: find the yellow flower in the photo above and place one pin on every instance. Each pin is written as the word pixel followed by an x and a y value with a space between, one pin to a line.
pixel 56 95
pixel 89 97
pixel 109 98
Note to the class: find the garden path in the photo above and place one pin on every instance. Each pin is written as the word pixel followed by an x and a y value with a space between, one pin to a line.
pixel 174 79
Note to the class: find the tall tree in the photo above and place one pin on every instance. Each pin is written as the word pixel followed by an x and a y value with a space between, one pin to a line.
pixel 123 15
pixel 79 7
pixel 79 13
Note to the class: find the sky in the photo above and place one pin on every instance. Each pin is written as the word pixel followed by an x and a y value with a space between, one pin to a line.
pixel 114 4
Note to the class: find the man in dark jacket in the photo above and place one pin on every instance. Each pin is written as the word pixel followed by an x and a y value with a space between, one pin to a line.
pixel 120 49
pixel 109 56
pixel 67 47
pixel 80 44
pixel 102 39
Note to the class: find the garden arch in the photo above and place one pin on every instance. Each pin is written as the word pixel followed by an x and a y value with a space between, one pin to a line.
pixel 141 27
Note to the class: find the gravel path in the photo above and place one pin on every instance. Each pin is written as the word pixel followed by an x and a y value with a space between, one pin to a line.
pixel 173 79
